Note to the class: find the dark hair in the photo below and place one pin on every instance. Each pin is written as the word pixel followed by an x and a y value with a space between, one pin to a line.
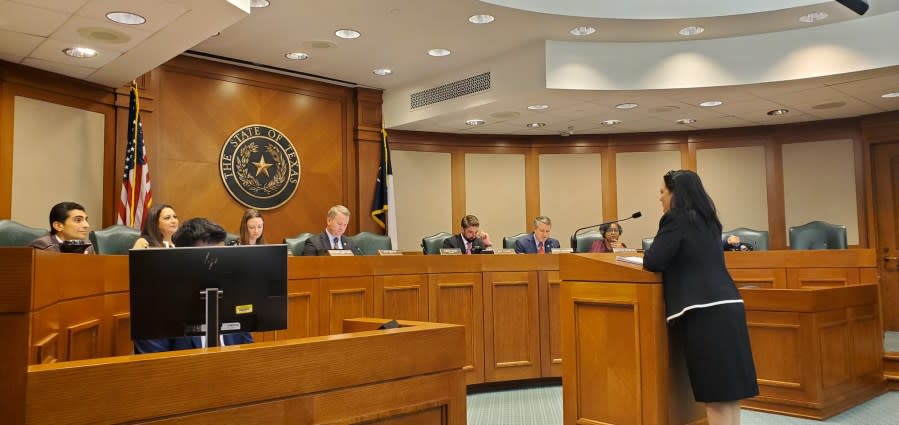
pixel 244 233
pixel 60 212
pixel 606 227
pixel 150 229
pixel 470 221
pixel 199 230
pixel 689 197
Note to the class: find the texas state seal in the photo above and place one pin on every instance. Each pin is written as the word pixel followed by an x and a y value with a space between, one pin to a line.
pixel 260 167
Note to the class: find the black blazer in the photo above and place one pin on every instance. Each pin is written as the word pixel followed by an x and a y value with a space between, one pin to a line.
pixel 690 258
pixel 527 245
pixel 457 242
pixel 318 244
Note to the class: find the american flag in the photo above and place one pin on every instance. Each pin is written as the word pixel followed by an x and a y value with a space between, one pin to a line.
pixel 136 196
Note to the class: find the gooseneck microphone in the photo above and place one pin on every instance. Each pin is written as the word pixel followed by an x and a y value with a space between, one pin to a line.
pixel 637 214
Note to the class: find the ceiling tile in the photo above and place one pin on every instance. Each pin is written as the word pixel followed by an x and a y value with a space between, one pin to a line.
pixel 51 50
pixel 93 33
pixel 68 6
pixel 18 17
pixel 59 68
pixel 18 45
pixel 157 13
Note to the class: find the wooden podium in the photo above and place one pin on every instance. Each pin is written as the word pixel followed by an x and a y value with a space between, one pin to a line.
pixel 617 366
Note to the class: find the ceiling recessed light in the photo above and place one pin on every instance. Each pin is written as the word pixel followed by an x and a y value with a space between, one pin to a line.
pixel 439 52
pixel 259 3
pixel 80 52
pixel 711 103
pixel 626 106
pixel 686 121
pixel 537 124
pixel 892 95
pixel 382 71
pixel 611 122
pixel 480 19
pixel 780 111
pixel 347 33
pixel 474 122
pixel 538 107
pixel 583 30
pixel 126 18
pixel 813 17
pixel 691 30
pixel 297 56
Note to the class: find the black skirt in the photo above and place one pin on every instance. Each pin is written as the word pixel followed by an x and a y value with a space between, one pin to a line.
pixel 716 348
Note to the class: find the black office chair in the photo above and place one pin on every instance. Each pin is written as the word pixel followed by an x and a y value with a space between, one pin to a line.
pixel 509 241
pixel 431 245
pixel 818 235
pixel 370 243
pixel 114 240
pixel 16 234
pixel 757 238
pixel 584 241
pixel 295 244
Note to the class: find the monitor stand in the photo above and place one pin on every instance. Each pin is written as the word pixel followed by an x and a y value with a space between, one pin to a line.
pixel 213 321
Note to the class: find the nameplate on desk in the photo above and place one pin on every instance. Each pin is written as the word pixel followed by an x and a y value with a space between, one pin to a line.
pixel 616 250
pixel 503 251
pixel 340 253
pixel 389 252
pixel 561 251
pixel 450 251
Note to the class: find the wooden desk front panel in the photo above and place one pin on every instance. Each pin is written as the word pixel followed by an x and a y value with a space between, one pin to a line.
pixel 761 278
pixel 805 278
pixel 401 297
pixel 512 326
pixel 344 298
pixel 550 328
pixel 458 298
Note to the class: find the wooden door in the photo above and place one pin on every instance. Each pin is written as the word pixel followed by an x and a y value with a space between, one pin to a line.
pixel 885 158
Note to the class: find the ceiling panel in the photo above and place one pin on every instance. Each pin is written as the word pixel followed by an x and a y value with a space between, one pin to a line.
pixel 99 34
pixel 51 50
pixel 19 17
pixel 16 45
pixel 59 68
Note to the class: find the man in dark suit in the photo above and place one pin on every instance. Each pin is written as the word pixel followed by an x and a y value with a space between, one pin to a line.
pixel 733 244
pixel 538 242
pixel 68 223
pixel 332 237
pixel 471 239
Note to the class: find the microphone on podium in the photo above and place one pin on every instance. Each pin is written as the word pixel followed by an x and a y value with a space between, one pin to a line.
pixel 637 214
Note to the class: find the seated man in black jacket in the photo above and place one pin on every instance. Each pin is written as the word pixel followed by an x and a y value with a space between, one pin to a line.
pixel 471 240
pixel 733 244
pixel 332 237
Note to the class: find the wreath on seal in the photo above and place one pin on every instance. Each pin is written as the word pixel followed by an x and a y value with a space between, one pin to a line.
pixel 249 181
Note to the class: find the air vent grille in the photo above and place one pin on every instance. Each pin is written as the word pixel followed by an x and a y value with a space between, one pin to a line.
pixel 477 83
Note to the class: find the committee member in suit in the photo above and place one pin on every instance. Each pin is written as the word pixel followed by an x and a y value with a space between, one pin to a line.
pixel 703 308
pixel 610 234
pixel 251 228
pixel 158 228
pixel 194 232
pixel 332 237
pixel 539 241
pixel 470 239
pixel 733 244
pixel 68 223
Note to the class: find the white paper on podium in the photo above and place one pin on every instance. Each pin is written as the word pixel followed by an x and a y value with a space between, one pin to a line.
pixel 631 260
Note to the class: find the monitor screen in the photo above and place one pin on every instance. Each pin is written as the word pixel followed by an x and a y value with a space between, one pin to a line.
pixel 166 286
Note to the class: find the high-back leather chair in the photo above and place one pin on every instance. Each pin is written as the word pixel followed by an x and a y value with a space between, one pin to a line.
pixel 370 243
pixel 16 234
pixel 757 238
pixel 431 244
pixel 583 241
pixel 231 239
pixel 509 241
pixel 647 242
pixel 818 235
pixel 295 244
pixel 114 240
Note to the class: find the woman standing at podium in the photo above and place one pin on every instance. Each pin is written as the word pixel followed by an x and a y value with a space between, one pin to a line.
pixel 702 305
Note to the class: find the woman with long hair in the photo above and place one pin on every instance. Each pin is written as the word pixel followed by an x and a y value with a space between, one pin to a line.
pixel 251 228
pixel 159 226
pixel 703 307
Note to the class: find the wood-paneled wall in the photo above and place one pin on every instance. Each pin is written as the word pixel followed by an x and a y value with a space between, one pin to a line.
pixel 189 108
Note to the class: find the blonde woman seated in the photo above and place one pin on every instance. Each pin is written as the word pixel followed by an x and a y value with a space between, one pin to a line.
pixel 609 241
pixel 251 226
pixel 158 228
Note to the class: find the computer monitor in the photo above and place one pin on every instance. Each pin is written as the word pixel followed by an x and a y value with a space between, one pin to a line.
pixel 166 286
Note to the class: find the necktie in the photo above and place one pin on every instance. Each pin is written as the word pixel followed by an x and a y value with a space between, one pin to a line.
pixel 336 244
pixel 540 248
pixel 468 247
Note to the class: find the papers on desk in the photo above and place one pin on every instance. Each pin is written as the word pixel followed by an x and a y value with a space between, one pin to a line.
pixel 631 260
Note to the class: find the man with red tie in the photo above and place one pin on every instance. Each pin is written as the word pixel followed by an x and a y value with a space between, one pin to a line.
pixel 471 240
pixel 538 242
